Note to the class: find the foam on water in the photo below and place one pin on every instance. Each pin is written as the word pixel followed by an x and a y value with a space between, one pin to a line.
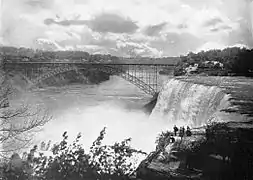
pixel 185 103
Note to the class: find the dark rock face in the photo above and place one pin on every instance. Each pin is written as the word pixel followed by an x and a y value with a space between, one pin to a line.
pixel 150 106
pixel 170 163
pixel 223 151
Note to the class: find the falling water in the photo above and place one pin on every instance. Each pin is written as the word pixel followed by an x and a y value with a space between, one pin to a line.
pixel 188 103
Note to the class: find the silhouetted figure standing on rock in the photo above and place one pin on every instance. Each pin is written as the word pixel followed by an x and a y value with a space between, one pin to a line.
pixel 181 132
pixel 183 129
pixel 188 131
pixel 175 130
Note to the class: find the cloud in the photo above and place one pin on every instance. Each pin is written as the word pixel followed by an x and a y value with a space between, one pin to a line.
pixel 206 3
pixel 214 45
pixel 149 27
pixel 81 1
pixel 182 26
pixel 210 45
pixel 19 31
pixel 47 45
pixel 1 41
pixel 220 28
pixel 242 35
pixel 104 23
pixel 50 21
pixel 213 22
pixel 175 44
pixel 155 29
pixel 131 48
pixel 46 4
pixel 107 22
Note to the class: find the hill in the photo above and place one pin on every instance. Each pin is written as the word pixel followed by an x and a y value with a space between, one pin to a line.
pixel 25 54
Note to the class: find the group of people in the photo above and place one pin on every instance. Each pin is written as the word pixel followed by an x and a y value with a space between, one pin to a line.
pixel 182 131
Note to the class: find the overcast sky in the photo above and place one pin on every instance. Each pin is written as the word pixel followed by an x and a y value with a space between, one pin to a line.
pixel 147 27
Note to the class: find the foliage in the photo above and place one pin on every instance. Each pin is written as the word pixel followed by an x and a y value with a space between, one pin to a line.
pixel 229 61
pixel 70 161
pixel 163 139
pixel 25 54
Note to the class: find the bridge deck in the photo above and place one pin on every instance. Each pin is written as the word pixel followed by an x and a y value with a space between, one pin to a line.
pixel 85 63
pixel 144 76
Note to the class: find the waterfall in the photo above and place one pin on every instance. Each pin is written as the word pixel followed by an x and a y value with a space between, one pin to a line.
pixel 186 103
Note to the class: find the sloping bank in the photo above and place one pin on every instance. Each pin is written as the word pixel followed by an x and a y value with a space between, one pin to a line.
pixel 220 150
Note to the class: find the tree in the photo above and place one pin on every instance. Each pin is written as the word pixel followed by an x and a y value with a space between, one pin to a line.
pixel 17 123
pixel 235 61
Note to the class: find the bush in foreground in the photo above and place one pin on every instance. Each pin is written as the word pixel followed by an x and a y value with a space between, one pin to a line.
pixel 70 161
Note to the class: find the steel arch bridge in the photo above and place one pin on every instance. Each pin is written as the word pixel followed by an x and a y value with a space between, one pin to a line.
pixel 144 76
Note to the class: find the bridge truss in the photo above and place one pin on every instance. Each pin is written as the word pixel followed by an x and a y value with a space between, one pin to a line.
pixel 144 76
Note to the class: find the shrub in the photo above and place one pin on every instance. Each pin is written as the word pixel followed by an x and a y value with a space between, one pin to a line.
pixel 70 161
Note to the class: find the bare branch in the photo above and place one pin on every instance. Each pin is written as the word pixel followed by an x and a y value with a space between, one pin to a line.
pixel 17 124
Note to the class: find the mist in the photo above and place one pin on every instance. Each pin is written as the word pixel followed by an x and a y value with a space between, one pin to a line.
pixel 115 104
pixel 120 124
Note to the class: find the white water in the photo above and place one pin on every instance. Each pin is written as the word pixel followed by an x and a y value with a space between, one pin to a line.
pixel 185 103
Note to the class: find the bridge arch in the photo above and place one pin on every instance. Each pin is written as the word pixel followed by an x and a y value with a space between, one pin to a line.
pixel 105 68
pixel 12 76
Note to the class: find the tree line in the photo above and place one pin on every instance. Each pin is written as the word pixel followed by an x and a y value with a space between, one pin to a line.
pixel 233 61
pixel 26 54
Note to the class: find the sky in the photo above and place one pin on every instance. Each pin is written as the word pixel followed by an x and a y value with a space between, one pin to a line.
pixel 127 27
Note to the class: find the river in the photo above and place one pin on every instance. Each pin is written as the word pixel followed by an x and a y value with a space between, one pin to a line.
pixel 117 105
